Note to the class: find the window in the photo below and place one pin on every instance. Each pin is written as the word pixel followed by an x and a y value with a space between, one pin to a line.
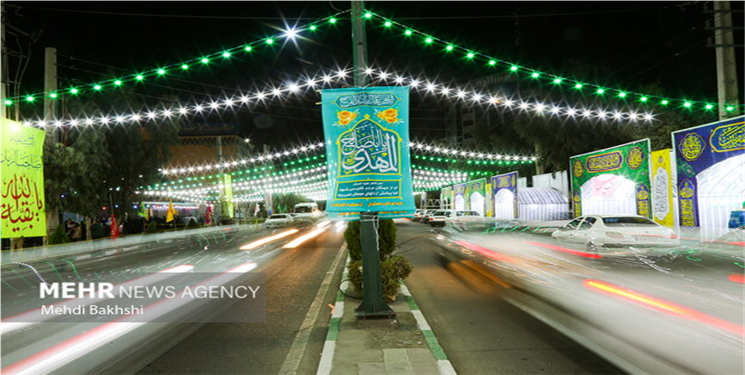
pixel 587 224
pixel 574 223
pixel 627 221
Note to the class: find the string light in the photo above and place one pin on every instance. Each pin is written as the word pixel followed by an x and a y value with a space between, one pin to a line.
pixel 185 65
pixel 535 74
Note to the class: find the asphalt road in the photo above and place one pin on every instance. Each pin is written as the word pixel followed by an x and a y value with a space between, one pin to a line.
pixel 480 331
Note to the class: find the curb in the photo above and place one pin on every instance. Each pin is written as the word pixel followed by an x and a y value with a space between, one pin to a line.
pixel 329 347
pixel 443 363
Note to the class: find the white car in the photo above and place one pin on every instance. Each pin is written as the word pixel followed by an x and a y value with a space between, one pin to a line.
pixel 462 217
pixel 418 215
pixel 278 220
pixel 596 231
pixel 439 217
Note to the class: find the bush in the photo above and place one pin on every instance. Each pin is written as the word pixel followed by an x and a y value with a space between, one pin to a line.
pixel 59 236
pixel 392 271
pixel 386 239
pixel 99 230
pixel 192 223
pixel 152 227
pixel 355 274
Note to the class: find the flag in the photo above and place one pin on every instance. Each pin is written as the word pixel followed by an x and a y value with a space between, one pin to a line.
pixel 114 228
pixel 171 212
pixel 207 215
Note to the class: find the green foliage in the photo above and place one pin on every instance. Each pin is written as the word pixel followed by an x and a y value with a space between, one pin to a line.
pixel 152 227
pixel 393 270
pixel 192 223
pixel 59 236
pixel 386 239
pixel 99 230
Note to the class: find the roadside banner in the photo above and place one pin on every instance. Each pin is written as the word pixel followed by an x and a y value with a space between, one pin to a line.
pixel 227 181
pixel 710 160
pixel 613 181
pixel 476 192
pixel 663 181
pixel 367 147
pixel 459 197
pixel 23 210
pixel 446 197
pixel 503 194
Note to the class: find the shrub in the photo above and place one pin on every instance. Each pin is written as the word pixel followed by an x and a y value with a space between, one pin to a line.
pixel 192 223
pixel 386 239
pixel 392 271
pixel 59 236
pixel 99 230
pixel 152 227
pixel 355 274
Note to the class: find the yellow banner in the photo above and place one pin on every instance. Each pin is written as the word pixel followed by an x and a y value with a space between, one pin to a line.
pixel 662 188
pixel 228 195
pixel 23 211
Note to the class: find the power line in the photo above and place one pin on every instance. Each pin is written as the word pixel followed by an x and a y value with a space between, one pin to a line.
pixel 538 15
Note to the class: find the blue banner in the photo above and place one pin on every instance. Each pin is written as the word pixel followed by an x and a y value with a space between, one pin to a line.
pixel 710 160
pixel 503 194
pixel 367 145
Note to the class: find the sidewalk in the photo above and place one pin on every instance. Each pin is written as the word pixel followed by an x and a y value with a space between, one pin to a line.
pixel 404 345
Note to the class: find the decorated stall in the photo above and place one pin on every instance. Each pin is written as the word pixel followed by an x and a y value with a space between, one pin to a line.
pixel 710 161
pixel 459 197
pixel 612 181
pixel 476 192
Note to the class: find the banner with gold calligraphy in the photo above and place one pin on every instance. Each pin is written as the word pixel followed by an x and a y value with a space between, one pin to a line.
pixel 367 145
pixel 613 181
pixel 476 193
pixel 504 195
pixel 710 163
pixel 22 200
pixel 663 206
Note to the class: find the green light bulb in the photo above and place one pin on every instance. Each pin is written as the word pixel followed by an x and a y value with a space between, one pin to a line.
pixel 313 27
pixel 118 82
pixel 388 24
pixel 729 108
pixel 269 40
pixel 600 91
pixel 643 98
pixel 73 91
pixel 514 68
pixel 205 60
pixel 139 77
pixel 30 98
pixel 492 62
pixel 429 40
pixel 184 67
pixel 535 75
pixel 621 94
pixel 579 86
pixel 449 48
pixel 470 55
pixel 247 48
pixel 8 102
pixel 332 20
pixel 408 32
pixel 161 72
pixel 709 106
pixel 97 87
pixel 665 102
pixel 557 81
pixel 226 54
pixel 687 104
pixel 368 15
pixel 53 95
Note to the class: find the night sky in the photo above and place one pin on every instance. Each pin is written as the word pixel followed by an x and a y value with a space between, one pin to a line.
pixel 627 44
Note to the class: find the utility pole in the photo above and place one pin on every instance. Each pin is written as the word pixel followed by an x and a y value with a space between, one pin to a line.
pixel 724 45
pixel 267 193
pixel 373 305
pixel 50 114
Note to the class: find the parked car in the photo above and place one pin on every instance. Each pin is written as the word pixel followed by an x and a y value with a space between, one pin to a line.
pixel 597 231
pixel 426 216
pixel 438 218
pixel 278 220
pixel 418 215
pixel 466 217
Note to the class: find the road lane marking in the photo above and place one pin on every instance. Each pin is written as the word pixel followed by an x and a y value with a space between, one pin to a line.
pixel 295 355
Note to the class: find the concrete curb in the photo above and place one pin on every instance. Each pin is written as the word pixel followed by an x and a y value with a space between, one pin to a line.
pixel 443 363
pixel 329 347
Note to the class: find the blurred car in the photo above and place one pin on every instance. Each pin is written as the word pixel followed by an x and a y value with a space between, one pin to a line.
pixel 278 220
pixel 426 216
pixel 462 217
pixel 596 231
pixel 439 217
pixel 418 215
pixel 725 253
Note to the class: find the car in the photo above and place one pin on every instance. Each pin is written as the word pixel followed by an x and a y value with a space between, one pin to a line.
pixel 278 220
pixel 426 216
pixel 418 215
pixel 439 217
pixel 462 216
pixel 598 231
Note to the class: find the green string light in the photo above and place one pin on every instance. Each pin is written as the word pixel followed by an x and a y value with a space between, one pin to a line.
pixel 557 80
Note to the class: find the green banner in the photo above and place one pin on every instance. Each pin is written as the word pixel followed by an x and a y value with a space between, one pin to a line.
pixel 227 183
pixel 446 197
pixel 476 193
pixel 613 181
pixel 23 208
